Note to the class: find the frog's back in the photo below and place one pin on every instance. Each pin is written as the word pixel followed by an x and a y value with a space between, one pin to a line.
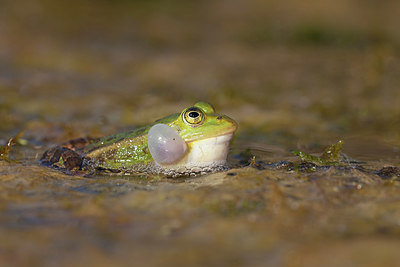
pixel 111 140
pixel 128 150
pixel 119 150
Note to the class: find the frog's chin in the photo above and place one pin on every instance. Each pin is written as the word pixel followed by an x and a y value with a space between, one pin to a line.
pixel 203 155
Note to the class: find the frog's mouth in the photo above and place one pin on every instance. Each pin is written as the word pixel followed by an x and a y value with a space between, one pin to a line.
pixel 208 151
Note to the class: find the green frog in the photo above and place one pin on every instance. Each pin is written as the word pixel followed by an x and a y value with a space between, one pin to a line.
pixel 195 141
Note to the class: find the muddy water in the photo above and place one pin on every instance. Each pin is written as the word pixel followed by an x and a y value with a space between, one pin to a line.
pixel 295 76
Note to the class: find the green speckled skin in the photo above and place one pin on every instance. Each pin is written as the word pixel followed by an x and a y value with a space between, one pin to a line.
pixel 129 149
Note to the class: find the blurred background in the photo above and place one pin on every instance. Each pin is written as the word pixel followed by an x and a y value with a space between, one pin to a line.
pixel 293 74
pixel 282 69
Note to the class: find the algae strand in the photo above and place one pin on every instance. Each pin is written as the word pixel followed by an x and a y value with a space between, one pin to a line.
pixel 5 150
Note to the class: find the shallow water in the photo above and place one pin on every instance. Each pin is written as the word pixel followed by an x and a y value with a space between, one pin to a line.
pixel 294 76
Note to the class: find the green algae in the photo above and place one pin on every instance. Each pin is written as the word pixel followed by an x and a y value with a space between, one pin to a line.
pixel 330 156
pixel 5 150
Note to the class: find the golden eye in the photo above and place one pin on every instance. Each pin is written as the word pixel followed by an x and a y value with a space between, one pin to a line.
pixel 193 116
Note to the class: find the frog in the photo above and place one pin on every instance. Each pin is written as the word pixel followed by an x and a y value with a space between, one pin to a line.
pixel 193 142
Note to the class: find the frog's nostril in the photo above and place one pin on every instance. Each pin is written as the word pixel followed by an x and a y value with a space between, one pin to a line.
pixel 219 118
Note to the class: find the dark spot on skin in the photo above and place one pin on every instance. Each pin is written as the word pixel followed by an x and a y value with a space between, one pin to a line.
pixel 219 118
pixel 52 155
pixel 140 131
pixel 232 173
pixel 72 160
pixel 108 139
pixel 78 143
pixel 173 139
pixel 110 154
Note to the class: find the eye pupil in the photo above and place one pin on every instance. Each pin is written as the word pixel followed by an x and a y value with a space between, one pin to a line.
pixel 193 114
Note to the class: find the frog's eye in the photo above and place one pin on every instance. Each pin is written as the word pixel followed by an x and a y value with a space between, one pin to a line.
pixel 193 115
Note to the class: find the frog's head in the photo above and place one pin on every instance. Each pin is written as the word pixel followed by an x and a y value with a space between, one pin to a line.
pixel 201 122
pixel 196 137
